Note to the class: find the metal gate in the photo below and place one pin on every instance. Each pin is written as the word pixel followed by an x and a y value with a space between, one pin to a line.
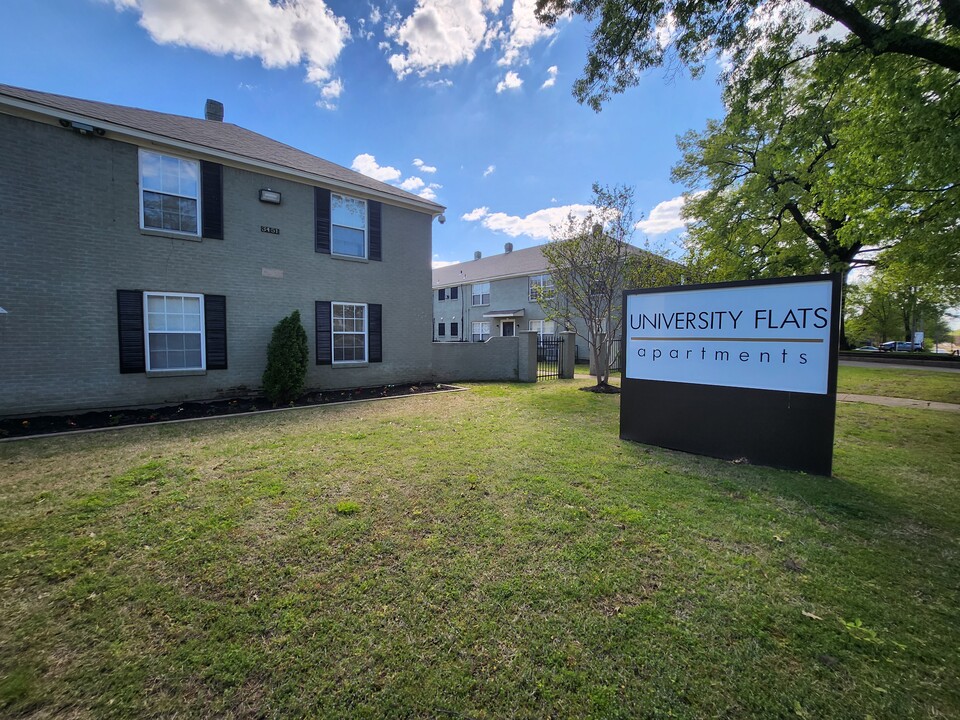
pixel 549 354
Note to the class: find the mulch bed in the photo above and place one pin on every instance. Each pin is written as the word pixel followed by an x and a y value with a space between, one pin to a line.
pixel 46 424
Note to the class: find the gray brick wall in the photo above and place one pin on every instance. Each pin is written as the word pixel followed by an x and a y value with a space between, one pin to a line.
pixel 70 238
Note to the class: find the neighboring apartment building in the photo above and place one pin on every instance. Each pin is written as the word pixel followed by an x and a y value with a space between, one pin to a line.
pixel 146 258
pixel 494 296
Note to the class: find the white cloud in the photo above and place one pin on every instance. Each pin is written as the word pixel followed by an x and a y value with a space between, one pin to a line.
pixel 423 167
pixel 412 184
pixel 428 193
pixel 328 96
pixel 439 34
pixel 367 165
pixel 491 169
pixel 524 31
pixel 475 214
pixel 375 15
pixel 536 225
pixel 441 263
pixel 552 79
pixel 511 81
pixel 664 218
pixel 281 35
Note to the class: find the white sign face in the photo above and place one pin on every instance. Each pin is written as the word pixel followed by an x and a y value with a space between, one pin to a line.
pixel 766 337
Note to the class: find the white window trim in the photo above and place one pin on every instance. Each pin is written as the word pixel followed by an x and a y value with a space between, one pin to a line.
pixel 531 287
pixel 196 163
pixel 366 334
pixel 365 229
pixel 481 333
pixel 474 294
pixel 146 331
pixel 540 327
pixel 512 322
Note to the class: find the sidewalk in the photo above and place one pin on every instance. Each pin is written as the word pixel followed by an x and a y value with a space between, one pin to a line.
pixel 898 402
pixel 871 399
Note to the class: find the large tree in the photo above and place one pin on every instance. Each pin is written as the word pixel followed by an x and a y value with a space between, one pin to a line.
pixel 837 163
pixel 587 259
pixel 630 36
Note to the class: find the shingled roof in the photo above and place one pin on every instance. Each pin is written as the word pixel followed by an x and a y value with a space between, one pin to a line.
pixel 517 263
pixel 220 139
pixel 529 261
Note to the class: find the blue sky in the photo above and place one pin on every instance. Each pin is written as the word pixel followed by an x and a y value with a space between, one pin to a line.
pixel 464 101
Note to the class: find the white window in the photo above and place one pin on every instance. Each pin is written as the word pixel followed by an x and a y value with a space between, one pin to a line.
pixel 540 286
pixel 481 294
pixel 169 193
pixel 543 327
pixel 348 232
pixel 481 331
pixel 174 331
pixel 349 332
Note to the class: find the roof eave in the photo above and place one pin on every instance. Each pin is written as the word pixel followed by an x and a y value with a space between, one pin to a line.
pixel 123 131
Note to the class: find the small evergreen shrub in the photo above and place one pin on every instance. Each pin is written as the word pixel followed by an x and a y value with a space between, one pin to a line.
pixel 287 356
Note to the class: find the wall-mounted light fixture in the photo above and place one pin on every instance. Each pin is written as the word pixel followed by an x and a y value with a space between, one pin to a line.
pixel 83 128
pixel 270 196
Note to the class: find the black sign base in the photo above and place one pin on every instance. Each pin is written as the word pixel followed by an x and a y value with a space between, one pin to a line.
pixel 793 431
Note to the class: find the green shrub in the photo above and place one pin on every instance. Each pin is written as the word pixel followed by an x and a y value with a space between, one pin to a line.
pixel 287 356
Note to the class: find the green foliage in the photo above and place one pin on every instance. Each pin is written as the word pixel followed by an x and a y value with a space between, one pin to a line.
pixel 347 507
pixel 632 36
pixel 890 305
pixel 287 357
pixel 587 261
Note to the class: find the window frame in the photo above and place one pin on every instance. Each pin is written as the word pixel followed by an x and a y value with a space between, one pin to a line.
pixel 543 327
pixel 454 329
pixel 202 332
pixel 441 329
pixel 537 281
pixel 141 152
pixel 365 229
pixel 334 332
pixel 474 294
pixel 484 336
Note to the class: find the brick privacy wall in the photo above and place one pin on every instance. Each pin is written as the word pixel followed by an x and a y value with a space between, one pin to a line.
pixel 70 237
pixel 495 360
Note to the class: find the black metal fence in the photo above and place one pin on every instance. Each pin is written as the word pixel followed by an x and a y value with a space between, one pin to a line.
pixel 549 356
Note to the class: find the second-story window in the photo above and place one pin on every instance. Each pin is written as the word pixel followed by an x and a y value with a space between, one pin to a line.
pixel 348 226
pixel 540 286
pixel 169 193
pixel 481 293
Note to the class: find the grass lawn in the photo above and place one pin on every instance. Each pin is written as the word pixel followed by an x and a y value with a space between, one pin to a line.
pixel 930 385
pixel 485 554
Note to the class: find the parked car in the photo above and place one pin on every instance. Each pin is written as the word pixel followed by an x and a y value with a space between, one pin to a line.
pixel 867 348
pixel 900 346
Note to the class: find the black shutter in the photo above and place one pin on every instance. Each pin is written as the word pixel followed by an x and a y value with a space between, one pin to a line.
pixel 324 334
pixel 215 329
pixel 375 332
pixel 130 331
pixel 440 294
pixel 321 219
pixel 374 211
pixel 454 291
pixel 211 197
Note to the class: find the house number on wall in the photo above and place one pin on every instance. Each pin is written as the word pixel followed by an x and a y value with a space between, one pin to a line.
pixel 268 229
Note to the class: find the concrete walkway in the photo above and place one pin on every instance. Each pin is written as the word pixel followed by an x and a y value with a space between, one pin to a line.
pixel 898 402
pixel 852 398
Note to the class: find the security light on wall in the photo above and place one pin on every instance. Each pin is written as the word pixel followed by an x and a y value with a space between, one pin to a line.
pixel 270 196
